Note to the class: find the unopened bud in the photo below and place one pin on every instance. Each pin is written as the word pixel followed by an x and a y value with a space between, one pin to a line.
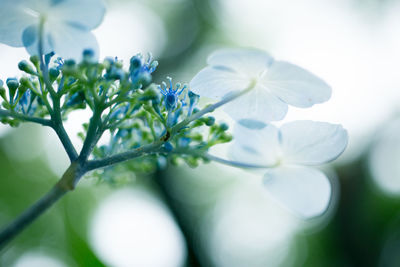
pixel 26 67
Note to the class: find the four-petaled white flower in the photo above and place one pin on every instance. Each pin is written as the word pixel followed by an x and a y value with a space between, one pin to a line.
pixel 66 25
pixel 275 85
pixel 291 150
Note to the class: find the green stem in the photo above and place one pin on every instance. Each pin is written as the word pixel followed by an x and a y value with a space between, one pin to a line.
pixel 125 156
pixel 44 122
pixel 66 142
pixel 60 130
pixel 92 136
pixel 56 111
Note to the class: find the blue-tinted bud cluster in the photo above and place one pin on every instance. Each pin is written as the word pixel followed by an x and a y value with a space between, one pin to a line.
pixel 114 69
pixel 140 70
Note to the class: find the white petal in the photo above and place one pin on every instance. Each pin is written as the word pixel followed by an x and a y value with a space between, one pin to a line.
pixel 259 147
pixel 310 142
pixel 251 62
pixel 296 86
pixel 69 41
pixel 217 82
pixel 30 39
pixel 87 14
pixel 14 20
pixel 256 108
pixel 304 190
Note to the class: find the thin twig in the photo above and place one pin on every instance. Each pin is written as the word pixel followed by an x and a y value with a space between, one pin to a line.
pixel 124 156
pixel 7 113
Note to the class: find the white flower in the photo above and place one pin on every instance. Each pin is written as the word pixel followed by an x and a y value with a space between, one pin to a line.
pixel 277 84
pixel 291 150
pixel 67 25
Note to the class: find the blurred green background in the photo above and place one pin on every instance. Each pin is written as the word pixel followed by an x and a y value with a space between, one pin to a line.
pixel 215 215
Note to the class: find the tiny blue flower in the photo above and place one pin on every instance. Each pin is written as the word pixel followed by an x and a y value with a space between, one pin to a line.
pixel 171 95
pixel 140 70
pixel 114 71
pixel 59 62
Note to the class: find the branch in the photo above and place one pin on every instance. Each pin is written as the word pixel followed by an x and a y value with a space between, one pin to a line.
pixel 92 135
pixel 66 142
pixel 60 130
pixel 7 113
pixel 124 156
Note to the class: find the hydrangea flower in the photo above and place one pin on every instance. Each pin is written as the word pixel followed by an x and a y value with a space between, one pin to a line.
pixel 140 70
pixel 66 25
pixel 291 151
pixel 275 85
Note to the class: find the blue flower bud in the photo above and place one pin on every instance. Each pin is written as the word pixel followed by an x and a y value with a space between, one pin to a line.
pixel 209 121
pixel 48 57
pixel 25 83
pixel 53 73
pixel 12 84
pixel 69 63
pixel 136 62
pixel 193 99
pixel 88 54
pixel 171 95
pixel 168 147
pixel 223 126
pixel 26 67
pixel 140 70
pixel 34 59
